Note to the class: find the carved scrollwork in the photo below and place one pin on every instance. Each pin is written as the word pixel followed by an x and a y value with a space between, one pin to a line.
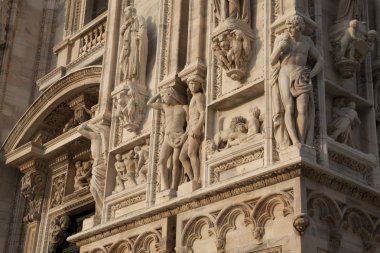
pixel 264 211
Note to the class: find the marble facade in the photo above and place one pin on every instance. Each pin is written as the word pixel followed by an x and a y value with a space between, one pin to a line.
pixel 194 126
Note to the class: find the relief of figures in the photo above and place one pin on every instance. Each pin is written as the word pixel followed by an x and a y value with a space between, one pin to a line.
pixel 350 39
pixel 175 108
pixel 131 168
pixel 132 91
pixel 240 131
pixel 232 38
pixel 58 190
pixel 83 174
pixel 292 89
pixel 344 119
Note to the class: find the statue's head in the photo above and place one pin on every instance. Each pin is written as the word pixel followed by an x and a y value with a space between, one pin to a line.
pixel 118 157
pixel 239 124
pixel 354 23
pixel 372 35
pixel 195 83
pixel 351 105
pixel 295 24
pixel 255 111
pixel 78 164
pixel 129 11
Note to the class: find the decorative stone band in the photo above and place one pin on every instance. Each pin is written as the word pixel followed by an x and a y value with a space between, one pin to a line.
pixel 276 175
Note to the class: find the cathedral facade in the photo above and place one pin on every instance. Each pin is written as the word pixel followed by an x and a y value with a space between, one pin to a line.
pixel 190 126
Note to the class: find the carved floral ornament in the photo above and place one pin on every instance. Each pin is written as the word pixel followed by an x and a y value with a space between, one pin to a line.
pixel 339 220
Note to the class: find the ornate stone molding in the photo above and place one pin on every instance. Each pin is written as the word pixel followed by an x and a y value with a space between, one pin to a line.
pixel 129 201
pixel 70 82
pixel 272 177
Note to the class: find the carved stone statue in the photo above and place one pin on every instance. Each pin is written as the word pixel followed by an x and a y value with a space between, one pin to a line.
pixel 350 39
pixel 344 118
pixel 233 36
pixel 175 109
pixel 126 171
pixel 189 156
pixel 57 231
pixel 83 174
pixel 292 90
pixel 142 155
pixel 98 134
pixel 132 64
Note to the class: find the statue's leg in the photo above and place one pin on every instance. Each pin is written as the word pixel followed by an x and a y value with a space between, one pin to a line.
pixel 288 102
pixel 176 169
pixel 185 161
pixel 194 158
pixel 166 151
pixel 302 117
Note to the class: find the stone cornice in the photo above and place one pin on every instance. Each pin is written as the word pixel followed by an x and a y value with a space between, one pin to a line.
pixel 49 95
pixel 219 192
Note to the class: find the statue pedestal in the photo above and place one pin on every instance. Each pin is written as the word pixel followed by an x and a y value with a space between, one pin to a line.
pixel 165 196
pixel 303 152
pixel 188 187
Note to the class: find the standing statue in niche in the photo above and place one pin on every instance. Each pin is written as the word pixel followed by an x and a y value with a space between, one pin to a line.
pixel 142 155
pixel 344 119
pixel 350 39
pixel 190 152
pixel 292 89
pixel 175 109
pixel 132 65
pixel 235 9
pixel 98 134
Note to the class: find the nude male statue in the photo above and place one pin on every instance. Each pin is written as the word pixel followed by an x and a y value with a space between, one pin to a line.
pixel 291 80
pixel 175 133
pixel 190 152
pixel 98 134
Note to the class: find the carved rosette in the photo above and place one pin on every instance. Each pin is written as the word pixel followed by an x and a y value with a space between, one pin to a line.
pixel 232 46
pixel 351 42
pixel 57 231
pixel 32 188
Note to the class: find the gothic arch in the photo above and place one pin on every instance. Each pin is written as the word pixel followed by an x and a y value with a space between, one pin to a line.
pixel 361 224
pixel 124 246
pixel 329 209
pixel 54 95
pixel 144 240
pixel 192 230
pixel 264 211
pixel 227 217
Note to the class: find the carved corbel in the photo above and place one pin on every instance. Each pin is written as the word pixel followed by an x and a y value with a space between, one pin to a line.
pixel 57 231
pixel 232 38
pixel 301 223
pixel 32 188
